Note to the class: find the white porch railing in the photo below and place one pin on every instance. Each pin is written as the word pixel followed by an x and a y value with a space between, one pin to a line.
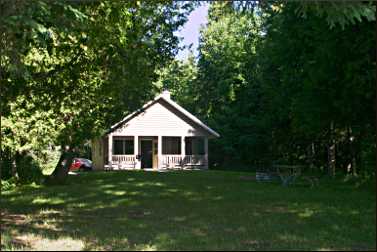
pixel 170 161
pixel 124 161
pixel 195 160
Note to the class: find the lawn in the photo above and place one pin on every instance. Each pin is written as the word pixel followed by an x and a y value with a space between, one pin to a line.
pixel 190 210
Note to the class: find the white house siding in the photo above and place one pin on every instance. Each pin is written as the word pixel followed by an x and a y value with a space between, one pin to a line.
pixel 159 119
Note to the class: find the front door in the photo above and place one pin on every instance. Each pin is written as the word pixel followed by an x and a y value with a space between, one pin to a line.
pixel 146 154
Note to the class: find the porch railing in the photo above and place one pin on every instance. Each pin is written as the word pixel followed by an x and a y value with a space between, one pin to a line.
pixel 124 161
pixel 195 160
pixel 170 161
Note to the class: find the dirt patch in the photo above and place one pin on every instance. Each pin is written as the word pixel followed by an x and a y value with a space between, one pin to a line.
pixel 15 219
pixel 62 244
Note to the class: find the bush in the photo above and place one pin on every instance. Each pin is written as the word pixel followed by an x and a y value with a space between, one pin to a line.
pixel 6 165
pixel 9 184
pixel 28 170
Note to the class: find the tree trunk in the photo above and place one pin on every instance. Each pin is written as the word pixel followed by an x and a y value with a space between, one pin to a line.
pixel 14 168
pixel 312 157
pixel 15 160
pixel 331 152
pixel 60 173
pixel 375 52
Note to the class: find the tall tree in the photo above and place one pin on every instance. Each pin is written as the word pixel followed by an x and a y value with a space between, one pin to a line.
pixel 285 82
pixel 227 50
pixel 88 63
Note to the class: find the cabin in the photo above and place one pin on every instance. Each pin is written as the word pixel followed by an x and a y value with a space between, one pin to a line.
pixel 160 135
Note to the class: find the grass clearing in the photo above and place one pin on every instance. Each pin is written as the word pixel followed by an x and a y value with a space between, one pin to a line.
pixel 190 210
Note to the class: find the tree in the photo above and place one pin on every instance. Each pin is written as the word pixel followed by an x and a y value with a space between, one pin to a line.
pixel 226 59
pixel 179 78
pixel 86 63
pixel 282 83
pixel 319 74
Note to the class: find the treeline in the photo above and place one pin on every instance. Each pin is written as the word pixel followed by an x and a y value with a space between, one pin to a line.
pixel 284 83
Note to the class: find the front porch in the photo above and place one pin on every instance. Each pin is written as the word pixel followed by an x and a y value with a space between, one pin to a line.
pixel 156 152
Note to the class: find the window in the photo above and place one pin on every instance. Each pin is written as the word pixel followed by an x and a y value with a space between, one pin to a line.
pixel 129 147
pixel 118 147
pixel 171 145
pixel 194 146
pixel 123 146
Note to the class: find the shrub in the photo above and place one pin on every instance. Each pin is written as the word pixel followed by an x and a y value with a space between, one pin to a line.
pixel 9 184
pixel 6 165
pixel 28 170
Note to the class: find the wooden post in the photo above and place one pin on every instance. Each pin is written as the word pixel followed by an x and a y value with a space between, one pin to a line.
pixel 110 149
pixel 159 152
pixel 183 151
pixel 206 152
pixel 136 151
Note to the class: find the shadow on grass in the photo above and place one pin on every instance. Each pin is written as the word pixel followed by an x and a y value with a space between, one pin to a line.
pixel 188 210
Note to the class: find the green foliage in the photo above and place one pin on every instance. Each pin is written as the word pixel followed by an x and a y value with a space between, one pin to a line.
pixel 179 78
pixel 69 70
pixel 8 185
pixel 28 170
pixel 25 167
pixel 339 13
pixel 272 78
pixel 6 164
pixel 314 79
pixel 226 61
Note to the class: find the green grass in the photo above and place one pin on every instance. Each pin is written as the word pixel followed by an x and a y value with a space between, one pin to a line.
pixel 193 210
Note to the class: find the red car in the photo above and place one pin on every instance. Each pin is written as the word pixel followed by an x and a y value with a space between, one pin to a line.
pixel 81 164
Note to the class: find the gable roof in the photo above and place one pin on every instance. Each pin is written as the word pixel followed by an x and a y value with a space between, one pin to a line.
pixel 176 106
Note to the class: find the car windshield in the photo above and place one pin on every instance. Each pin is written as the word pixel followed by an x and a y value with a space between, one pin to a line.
pixel 85 160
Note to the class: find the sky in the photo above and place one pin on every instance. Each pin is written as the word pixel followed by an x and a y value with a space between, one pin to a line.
pixel 190 31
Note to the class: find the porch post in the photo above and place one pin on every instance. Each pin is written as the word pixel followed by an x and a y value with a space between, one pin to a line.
pixel 136 151
pixel 159 152
pixel 206 152
pixel 110 154
pixel 183 150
